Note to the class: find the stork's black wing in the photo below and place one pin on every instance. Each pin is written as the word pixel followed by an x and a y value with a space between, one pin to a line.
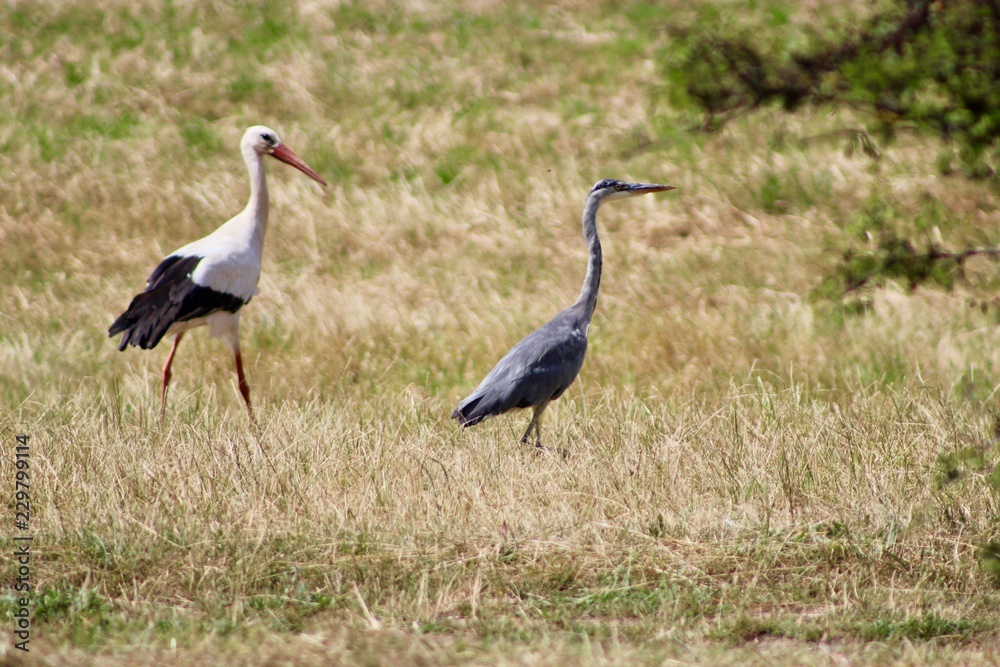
pixel 171 295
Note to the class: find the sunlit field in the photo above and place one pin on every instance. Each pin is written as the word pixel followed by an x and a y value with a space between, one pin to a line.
pixel 758 473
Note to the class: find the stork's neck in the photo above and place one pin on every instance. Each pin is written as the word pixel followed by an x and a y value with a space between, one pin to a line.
pixel 255 214
pixel 592 281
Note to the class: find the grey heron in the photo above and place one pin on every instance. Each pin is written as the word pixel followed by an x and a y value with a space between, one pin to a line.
pixel 544 364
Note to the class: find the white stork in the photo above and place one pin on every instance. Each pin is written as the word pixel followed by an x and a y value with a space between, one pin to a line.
pixel 207 282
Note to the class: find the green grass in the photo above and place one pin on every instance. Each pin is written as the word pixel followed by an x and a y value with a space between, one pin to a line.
pixel 761 472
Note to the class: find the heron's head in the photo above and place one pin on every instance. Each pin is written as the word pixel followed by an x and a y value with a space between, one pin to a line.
pixel 265 141
pixel 610 188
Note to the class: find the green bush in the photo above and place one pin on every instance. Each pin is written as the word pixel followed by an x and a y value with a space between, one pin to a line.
pixel 934 65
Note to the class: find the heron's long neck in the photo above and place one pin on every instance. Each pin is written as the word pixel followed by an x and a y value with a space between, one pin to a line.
pixel 257 207
pixel 592 281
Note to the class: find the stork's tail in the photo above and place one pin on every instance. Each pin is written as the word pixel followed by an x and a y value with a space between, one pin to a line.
pixel 144 323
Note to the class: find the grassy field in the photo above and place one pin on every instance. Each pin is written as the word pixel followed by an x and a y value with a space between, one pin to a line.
pixel 757 474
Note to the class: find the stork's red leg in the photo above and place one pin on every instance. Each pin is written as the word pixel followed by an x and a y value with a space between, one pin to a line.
pixel 167 374
pixel 244 387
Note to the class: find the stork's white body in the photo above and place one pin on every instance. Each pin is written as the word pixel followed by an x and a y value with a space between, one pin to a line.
pixel 232 253
pixel 231 256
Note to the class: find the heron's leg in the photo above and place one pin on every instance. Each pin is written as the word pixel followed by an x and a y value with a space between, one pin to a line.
pixel 241 378
pixel 537 421
pixel 539 409
pixel 167 374
pixel 531 425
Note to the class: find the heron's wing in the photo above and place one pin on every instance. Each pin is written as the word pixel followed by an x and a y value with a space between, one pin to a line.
pixel 548 367
pixel 537 369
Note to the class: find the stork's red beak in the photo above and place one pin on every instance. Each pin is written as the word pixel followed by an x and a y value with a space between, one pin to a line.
pixel 286 155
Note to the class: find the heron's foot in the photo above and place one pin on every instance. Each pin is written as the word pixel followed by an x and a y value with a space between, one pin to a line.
pixel 539 448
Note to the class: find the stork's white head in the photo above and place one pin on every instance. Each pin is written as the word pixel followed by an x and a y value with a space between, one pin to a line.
pixel 260 139
pixel 263 140
pixel 610 188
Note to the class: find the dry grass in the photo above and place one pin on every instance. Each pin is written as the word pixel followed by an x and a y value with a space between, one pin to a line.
pixel 757 476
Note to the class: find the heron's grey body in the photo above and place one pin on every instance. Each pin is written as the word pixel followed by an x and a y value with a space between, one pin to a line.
pixel 544 364
pixel 536 370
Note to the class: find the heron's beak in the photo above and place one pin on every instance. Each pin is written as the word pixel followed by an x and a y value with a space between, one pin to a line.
pixel 286 155
pixel 646 188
